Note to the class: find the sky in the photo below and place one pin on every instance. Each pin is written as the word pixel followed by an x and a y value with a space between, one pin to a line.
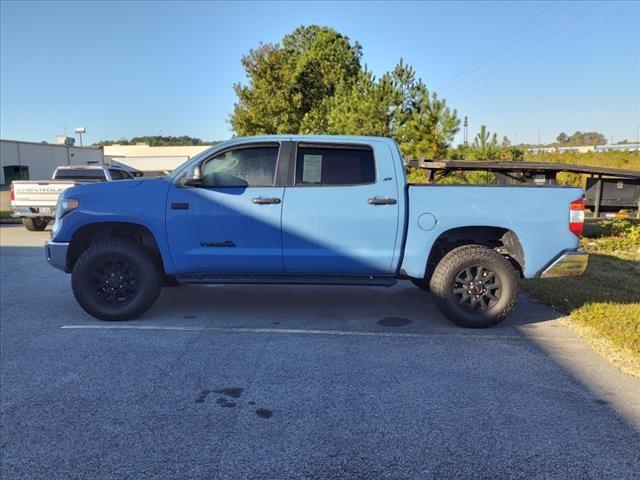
pixel 524 69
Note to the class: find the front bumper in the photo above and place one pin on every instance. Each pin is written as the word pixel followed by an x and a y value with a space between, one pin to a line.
pixel 56 253
pixel 573 262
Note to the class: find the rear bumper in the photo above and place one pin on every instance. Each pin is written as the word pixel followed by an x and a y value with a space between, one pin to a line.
pixel 56 253
pixel 573 262
pixel 47 212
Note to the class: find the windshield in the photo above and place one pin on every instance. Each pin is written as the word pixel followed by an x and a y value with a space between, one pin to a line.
pixel 86 175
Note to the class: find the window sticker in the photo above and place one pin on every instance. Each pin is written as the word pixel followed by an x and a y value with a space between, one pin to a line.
pixel 312 169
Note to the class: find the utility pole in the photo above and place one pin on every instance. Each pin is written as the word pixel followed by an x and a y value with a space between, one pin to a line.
pixel 466 131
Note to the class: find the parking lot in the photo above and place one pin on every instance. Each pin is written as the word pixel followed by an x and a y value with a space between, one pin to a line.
pixel 280 382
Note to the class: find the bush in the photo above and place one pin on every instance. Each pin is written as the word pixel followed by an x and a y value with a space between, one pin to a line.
pixel 614 236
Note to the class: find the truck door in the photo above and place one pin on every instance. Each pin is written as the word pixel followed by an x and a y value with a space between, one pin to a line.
pixel 230 224
pixel 341 214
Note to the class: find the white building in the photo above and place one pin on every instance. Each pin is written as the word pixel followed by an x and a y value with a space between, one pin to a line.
pixel 579 149
pixel 151 160
pixel 621 147
pixel 37 161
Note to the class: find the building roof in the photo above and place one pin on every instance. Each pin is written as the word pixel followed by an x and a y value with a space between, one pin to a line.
pixel 47 144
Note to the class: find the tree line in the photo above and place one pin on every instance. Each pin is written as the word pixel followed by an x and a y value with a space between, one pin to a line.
pixel 155 141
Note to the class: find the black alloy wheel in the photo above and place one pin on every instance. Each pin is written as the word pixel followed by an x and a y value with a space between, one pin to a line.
pixel 477 288
pixel 115 281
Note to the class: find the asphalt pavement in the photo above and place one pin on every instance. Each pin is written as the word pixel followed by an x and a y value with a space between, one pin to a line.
pixel 297 382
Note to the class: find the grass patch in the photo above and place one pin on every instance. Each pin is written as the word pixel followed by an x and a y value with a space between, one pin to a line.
pixel 604 303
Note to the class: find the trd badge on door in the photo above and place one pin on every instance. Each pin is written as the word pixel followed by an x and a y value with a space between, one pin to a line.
pixel 226 243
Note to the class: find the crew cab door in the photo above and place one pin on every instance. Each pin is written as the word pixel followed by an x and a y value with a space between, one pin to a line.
pixel 231 223
pixel 341 214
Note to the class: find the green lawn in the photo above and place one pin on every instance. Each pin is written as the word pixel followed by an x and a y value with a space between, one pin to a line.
pixel 604 303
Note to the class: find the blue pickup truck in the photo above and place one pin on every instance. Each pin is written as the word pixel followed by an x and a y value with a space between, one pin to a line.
pixel 312 210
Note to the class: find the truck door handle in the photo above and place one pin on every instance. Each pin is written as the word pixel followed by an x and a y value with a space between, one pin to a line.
pixel 382 201
pixel 265 200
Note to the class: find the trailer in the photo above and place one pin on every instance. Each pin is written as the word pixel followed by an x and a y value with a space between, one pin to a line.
pixel 608 190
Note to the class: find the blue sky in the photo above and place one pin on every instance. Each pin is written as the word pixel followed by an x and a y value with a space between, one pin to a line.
pixel 146 68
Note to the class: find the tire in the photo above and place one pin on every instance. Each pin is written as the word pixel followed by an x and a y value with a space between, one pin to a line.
pixel 475 286
pixel 116 280
pixel 421 283
pixel 35 224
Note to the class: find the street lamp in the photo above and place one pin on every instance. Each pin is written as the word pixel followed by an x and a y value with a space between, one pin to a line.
pixel 80 131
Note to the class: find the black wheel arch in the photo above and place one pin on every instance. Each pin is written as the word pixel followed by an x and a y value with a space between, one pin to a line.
pixel 91 233
pixel 502 240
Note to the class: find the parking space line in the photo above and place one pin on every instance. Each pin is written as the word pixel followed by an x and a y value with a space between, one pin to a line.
pixel 291 331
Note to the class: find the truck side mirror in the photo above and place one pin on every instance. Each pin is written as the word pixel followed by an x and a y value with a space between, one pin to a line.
pixel 193 177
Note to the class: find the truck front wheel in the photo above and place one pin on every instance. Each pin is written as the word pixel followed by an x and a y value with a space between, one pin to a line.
pixel 116 280
pixel 475 286
pixel 35 224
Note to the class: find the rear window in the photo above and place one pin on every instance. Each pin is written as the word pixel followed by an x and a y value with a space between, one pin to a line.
pixel 334 166
pixel 80 175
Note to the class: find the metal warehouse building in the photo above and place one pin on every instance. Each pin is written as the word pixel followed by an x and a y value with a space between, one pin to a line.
pixel 37 161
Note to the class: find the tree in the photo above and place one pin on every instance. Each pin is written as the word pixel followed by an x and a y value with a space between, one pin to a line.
pixel 313 83
pixel 562 137
pixel 586 138
pixel 289 82
pixel 421 123
pixel 363 107
pixel 485 145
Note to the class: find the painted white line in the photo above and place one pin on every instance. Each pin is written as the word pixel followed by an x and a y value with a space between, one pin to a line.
pixel 290 331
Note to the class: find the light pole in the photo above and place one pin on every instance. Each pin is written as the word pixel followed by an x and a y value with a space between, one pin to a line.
pixel 80 131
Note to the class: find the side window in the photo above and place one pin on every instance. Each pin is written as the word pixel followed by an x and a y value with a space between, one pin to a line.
pixel 244 167
pixel 116 174
pixel 334 166
pixel 126 175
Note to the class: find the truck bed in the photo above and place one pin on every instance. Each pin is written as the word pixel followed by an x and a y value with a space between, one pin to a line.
pixel 538 216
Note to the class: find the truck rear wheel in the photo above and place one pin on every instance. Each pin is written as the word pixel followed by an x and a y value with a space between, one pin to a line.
pixel 35 224
pixel 116 280
pixel 475 286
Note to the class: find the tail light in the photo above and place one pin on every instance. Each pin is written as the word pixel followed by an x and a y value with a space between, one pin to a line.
pixel 12 195
pixel 576 217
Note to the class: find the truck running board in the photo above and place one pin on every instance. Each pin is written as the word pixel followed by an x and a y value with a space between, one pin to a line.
pixel 284 279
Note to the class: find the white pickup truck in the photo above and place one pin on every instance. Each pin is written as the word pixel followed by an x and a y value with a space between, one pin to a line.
pixel 34 201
